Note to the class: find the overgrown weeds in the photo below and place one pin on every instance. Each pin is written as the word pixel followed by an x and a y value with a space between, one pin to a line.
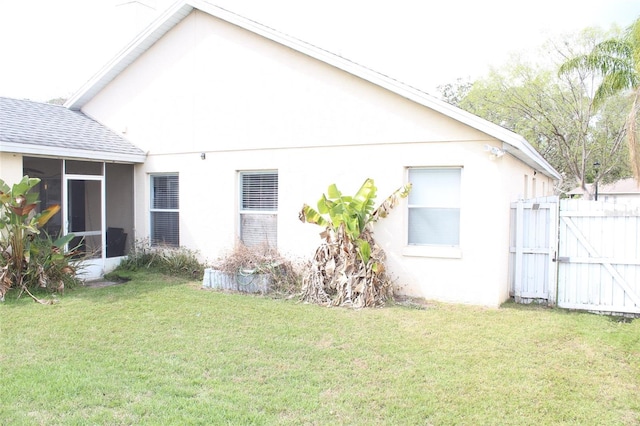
pixel 173 261
pixel 262 259
pixel 184 262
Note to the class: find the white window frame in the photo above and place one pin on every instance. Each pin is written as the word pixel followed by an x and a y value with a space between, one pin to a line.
pixel 269 209
pixel 153 210
pixel 434 250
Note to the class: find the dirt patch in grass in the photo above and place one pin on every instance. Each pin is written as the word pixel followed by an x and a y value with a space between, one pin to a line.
pixel 104 282
pixel 411 302
pixel 100 283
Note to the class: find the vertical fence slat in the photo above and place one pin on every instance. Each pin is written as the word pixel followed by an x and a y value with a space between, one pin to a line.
pixel 552 265
pixel 519 247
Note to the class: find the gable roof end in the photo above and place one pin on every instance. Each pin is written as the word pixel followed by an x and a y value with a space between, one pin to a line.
pixel 147 38
pixel 512 142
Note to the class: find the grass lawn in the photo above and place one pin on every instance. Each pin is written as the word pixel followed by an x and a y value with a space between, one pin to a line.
pixel 159 350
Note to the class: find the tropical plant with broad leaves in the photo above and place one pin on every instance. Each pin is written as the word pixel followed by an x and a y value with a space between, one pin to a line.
pixel 27 260
pixel 348 267
pixel 617 62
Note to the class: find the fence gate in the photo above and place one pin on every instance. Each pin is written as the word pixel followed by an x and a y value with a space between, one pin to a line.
pixel 599 257
pixel 533 248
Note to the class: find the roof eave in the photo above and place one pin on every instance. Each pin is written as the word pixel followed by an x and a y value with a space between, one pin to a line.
pixel 48 151
pixel 523 149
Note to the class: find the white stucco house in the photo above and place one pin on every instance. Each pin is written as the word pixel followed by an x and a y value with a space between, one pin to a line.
pixel 239 125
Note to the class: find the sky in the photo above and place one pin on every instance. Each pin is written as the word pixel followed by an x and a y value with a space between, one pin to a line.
pixel 50 48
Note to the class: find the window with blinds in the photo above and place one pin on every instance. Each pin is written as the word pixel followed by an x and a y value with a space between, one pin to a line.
pixel 165 216
pixel 434 206
pixel 259 208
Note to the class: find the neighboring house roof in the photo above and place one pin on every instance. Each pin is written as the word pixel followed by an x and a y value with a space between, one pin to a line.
pixel 628 186
pixel 622 186
pixel 512 142
pixel 28 127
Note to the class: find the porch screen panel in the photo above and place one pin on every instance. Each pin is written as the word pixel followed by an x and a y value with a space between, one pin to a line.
pixel 50 188
pixel 165 214
pixel 258 208
pixel 434 206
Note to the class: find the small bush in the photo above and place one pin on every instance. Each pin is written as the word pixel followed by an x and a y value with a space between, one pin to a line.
pixel 168 260
pixel 181 261
pixel 140 256
pixel 50 268
pixel 29 258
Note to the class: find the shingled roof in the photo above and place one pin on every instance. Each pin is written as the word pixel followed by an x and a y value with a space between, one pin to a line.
pixel 28 127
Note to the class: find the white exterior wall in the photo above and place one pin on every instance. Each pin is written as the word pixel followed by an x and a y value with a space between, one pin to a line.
pixel 252 104
pixel 10 167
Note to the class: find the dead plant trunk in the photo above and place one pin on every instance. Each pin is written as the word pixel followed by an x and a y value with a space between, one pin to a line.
pixel 338 276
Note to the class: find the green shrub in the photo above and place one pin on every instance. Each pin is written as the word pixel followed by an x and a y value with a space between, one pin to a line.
pixel 179 261
pixel 140 256
pixel 29 258
pixel 50 267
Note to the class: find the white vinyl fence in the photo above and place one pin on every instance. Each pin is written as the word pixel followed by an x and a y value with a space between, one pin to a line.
pixel 599 257
pixel 593 264
pixel 534 245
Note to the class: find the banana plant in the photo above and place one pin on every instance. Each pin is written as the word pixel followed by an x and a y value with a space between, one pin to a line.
pixel 19 224
pixel 347 268
pixel 354 213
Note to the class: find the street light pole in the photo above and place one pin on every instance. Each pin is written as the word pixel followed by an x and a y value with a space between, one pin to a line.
pixel 596 166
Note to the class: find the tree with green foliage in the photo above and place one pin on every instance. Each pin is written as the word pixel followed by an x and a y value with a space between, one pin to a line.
pixel 555 112
pixel 454 93
pixel 26 260
pixel 616 61
pixel 348 267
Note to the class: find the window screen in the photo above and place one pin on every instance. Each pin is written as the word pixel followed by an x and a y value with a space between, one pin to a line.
pixel 165 192
pixel 258 208
pixel 434 206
